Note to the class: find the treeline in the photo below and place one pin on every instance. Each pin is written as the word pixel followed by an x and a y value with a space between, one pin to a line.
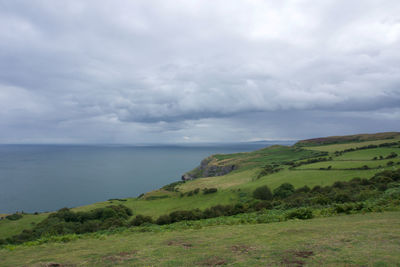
pixel 341 196
pixel 391 144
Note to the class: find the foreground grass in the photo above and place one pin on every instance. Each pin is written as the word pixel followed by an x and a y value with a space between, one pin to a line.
pixel 370 240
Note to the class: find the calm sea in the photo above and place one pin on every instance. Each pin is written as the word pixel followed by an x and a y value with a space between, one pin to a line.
pixel 49 177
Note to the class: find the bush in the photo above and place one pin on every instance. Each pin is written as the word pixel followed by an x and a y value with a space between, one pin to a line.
pixel 141 219
pixel 263 193
pixel 391 155
pixel 284 190
pixel 343 197
pixel 302 214
pixel 163 219
pixel 304 189
pixel 14 217
pixel 209 190
pixel 263 205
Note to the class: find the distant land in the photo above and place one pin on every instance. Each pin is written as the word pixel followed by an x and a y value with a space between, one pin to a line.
pixel 330 201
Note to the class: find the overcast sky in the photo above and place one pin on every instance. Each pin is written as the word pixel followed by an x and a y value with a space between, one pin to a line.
pixel 197 71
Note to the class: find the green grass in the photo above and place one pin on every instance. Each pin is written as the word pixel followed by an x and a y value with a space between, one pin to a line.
pixel 258 158
pixel 340 147
pixel 310 178
pixel 236 178
pixel 354 240
pixel 368 154
pixel 9 228
pixel 347 164
pixel 232 188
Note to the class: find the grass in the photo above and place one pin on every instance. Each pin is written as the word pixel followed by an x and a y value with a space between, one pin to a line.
pixel 236 178
pixel 348 164
pixel 241 244
pixel 358 240
pixel 368 154
pixel 9 228
pixel 340 147
pixel 310 178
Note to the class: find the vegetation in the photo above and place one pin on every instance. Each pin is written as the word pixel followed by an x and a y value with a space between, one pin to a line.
pixel 14 217
pixel 310 180
pixel 263 193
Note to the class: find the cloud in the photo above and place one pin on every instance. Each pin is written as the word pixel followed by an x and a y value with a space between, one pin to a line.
pixel 140 71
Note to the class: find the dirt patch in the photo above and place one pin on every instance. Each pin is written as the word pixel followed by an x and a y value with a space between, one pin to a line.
pixel 179 244
pixel 294 258
pixel 214 261
pixel 241 249
pixel 122 256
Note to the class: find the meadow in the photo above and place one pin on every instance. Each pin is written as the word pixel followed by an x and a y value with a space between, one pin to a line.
pixel 371 239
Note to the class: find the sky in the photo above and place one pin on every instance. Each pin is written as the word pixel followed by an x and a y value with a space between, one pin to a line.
pixel 193 71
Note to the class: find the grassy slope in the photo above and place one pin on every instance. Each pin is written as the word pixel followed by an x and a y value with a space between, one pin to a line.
pixel 368 154
pixel 340 147
pixel 348 164
pixel 244 179
pixel 353 240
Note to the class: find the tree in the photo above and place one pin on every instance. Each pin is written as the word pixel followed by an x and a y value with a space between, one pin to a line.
pixel 284 190
pixel 262 192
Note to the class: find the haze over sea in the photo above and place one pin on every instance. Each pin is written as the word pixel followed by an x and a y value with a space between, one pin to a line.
pixel 49 177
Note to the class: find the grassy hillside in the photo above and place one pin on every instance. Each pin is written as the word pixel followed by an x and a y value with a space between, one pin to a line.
pixel 315 162
pixel 348 139
pixel 246 179
pixel 353 240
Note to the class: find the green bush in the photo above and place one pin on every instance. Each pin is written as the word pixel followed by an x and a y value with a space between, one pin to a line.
pixel 141 219
pixel 14 217
pixel 163 219
pixel 263 193
pixel 209 190
pixel 284 190
pixel 302 214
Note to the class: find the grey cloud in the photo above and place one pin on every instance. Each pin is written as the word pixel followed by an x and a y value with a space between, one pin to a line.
pixel 127 71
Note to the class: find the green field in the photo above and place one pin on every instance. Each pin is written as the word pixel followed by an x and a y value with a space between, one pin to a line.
pixel 368 154
pixel 238 244
pixel 353 240
pixel 341 147
pixel 349 164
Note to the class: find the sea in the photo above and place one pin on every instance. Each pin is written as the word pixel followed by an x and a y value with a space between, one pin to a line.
pixel 39 178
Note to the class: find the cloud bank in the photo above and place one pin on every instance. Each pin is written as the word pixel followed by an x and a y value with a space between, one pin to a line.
pixel 197 71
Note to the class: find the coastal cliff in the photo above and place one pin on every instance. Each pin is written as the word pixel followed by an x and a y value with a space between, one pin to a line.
pixel 209 167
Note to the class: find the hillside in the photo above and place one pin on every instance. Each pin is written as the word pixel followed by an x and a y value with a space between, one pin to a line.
pixel 320 172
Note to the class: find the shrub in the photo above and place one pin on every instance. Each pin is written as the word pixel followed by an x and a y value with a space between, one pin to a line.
pixel 284 190
pixel 263 205
pixel 209 190
pixel 172 186
pixel 163 219
pixel 263 193
pixel 342 197
pixel 391 155
pixel 304 189
pixel 14 217
pixel 141 219
pixel 302 214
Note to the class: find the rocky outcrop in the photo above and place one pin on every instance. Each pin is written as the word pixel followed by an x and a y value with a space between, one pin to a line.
pixel 209 167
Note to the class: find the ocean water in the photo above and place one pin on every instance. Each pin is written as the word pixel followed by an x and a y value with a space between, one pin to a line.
pixel 49 177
